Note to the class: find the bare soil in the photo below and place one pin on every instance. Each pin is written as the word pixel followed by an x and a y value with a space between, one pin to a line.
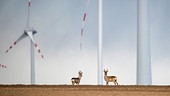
pixel 83 90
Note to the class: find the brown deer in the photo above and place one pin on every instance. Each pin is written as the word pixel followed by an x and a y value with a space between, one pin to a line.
pixel 109 78
pixel 77 80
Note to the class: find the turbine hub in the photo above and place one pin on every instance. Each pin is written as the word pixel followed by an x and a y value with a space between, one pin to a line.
pixel 30 30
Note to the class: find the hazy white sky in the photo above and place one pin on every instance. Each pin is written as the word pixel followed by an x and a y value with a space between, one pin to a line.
pixel 59 22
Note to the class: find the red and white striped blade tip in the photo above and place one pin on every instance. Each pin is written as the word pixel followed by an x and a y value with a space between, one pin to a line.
pixel 39 51
pixel 11 46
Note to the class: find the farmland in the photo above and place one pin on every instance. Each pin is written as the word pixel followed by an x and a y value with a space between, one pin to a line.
pixel 83 90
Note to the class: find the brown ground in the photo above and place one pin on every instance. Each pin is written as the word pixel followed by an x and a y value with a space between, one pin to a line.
pixel 83 90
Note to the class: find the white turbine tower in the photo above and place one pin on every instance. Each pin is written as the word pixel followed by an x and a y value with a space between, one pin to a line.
pixel 100 44
pixel 143 44
pixel 29 32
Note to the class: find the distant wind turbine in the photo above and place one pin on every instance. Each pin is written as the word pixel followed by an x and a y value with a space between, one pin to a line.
pixel 29 32
pixel 100 40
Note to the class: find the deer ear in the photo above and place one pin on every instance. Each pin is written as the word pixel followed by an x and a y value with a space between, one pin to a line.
pixel 105 70
pixel 80 72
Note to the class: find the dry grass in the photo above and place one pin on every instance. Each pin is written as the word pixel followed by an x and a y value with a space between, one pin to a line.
pixel 83 90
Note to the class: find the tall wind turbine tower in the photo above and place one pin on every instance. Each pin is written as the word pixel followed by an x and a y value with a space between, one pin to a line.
pixel 143 44
pixel 100 44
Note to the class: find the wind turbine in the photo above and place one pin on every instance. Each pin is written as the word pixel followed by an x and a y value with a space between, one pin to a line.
pixel 29 32
pixel 100 40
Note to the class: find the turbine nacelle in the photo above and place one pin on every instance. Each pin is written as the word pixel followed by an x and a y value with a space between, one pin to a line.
pixel 30 30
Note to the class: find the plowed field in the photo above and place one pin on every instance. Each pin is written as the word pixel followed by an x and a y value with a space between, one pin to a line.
pixel 83 90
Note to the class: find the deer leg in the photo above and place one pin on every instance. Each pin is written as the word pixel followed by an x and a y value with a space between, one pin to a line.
pixel 107 83
pixel 72 83
pixel 115 83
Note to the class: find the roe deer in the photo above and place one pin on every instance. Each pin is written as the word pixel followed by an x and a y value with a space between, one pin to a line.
pixel 77 80
pixel 109 78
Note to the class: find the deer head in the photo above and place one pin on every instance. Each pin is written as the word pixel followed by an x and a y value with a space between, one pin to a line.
pixel 80 73
pixel 105 71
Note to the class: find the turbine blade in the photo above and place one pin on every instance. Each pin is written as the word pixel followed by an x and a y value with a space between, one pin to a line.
pixel 29 3
pixel 82 28
pixel 3 66
pixel 30 34
pixel 19 39
pixel 39 51
pixel 28 15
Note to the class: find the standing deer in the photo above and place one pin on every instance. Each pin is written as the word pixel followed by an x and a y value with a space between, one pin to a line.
pixel 109 78
pixel 77 80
